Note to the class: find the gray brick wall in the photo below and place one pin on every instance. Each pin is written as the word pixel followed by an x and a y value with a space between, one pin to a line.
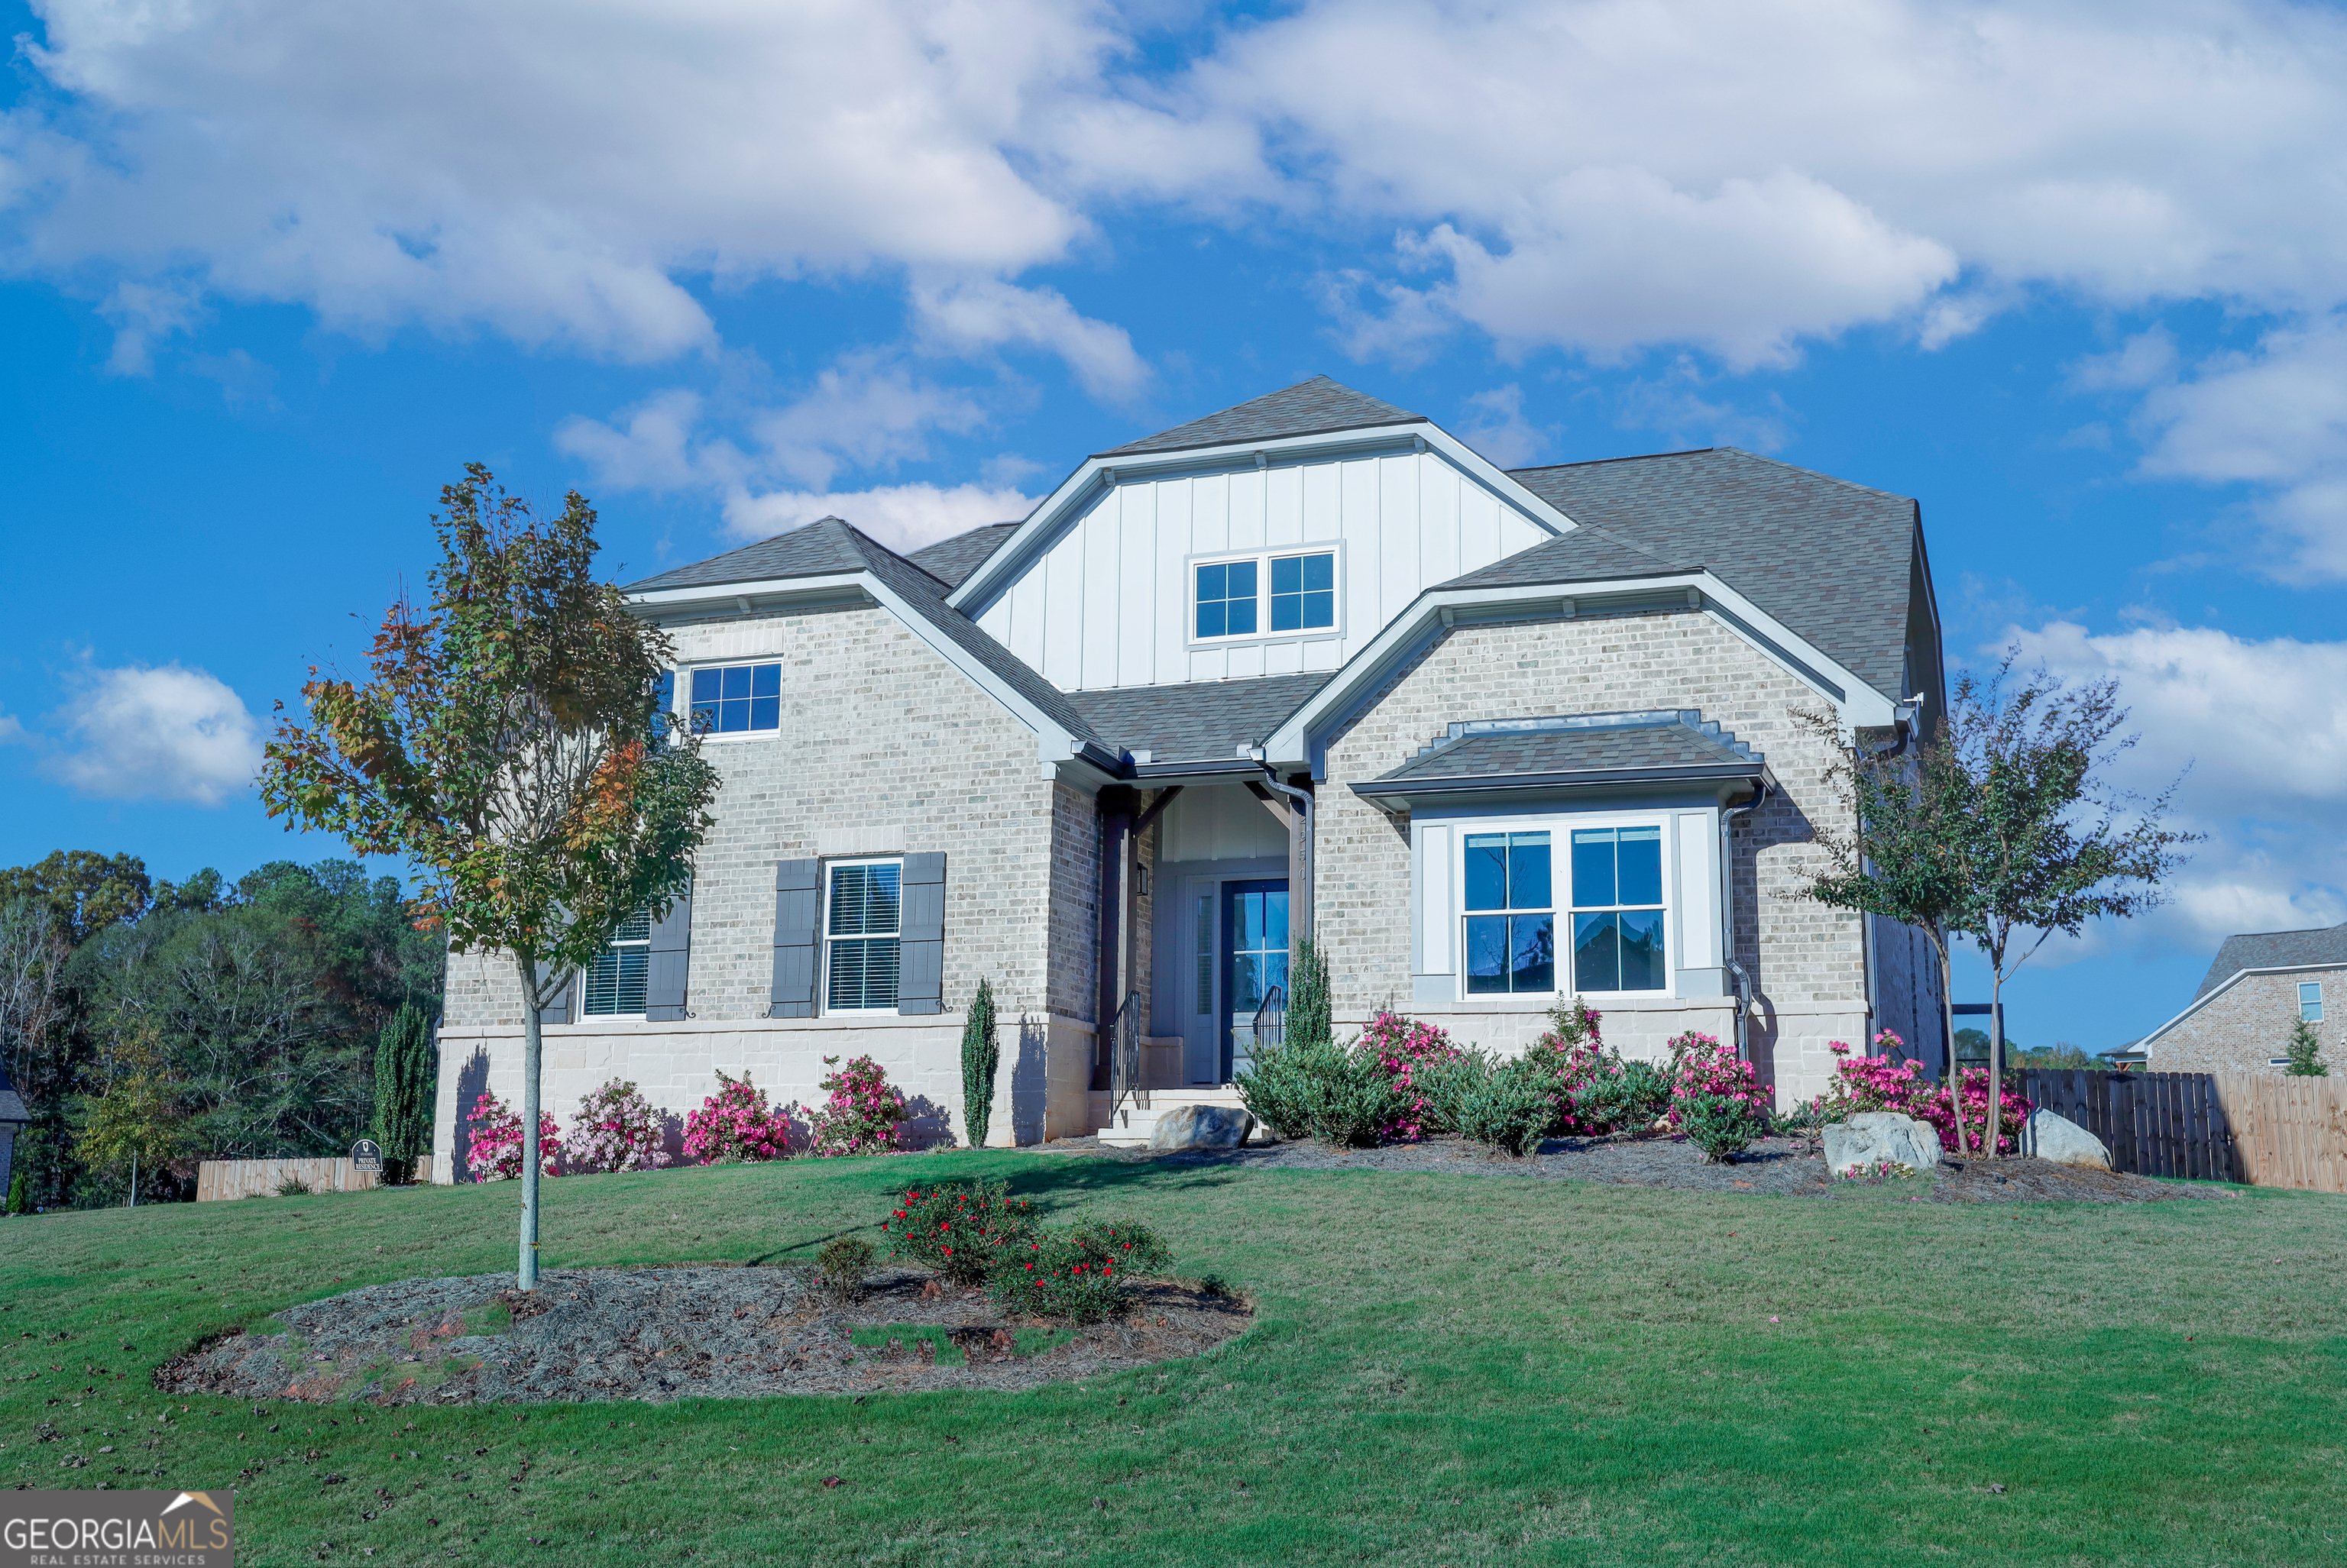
pixel 1807 960
pixel 2245 1028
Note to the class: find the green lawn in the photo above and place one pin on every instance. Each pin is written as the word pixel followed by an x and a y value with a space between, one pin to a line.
pixel 1446 1370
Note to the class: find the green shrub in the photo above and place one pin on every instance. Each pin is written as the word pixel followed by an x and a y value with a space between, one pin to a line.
pixel 960 1230
pixel 1319 1089
pixel 1623 1096
pixel 1507 1105
pixel 293 1187
pixel 2305 1061
pixel 982 1056
pixel 841 1266
pixel 1807 1120
pixel 1309 1017
pixel 1722 1126
pixel 1082 1275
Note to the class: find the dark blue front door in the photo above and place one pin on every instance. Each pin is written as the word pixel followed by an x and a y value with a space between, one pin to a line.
pixel 1255 961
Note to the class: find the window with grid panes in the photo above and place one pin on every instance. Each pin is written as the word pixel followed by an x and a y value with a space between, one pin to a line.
pixel 1617 910
pixel 1511 914
pixel 737 698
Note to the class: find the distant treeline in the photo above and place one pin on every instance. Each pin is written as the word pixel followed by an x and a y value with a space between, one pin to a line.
pixel 238 1019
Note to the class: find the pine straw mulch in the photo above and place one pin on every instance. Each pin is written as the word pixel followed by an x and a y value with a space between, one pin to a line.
pixel 696 1331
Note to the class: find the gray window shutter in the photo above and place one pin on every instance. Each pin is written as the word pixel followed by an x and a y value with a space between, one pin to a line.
pixel 795 885
pixel 565 1009
pixel 665 969
pixel 921 956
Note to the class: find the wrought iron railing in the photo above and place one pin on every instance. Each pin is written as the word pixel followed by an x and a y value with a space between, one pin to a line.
pixel 1125 1076
pixel 1271 1018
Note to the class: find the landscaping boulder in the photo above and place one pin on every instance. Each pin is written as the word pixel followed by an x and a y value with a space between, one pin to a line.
pixel 1871 1138
pixel 2063 1141
pixel 1202 1127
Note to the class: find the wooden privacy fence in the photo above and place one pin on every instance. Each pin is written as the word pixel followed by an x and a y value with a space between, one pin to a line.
pixel 2255 1128
pixel 261 1178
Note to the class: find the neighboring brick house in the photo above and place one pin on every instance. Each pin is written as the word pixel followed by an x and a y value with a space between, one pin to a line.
pixel 2261 985
pixel 1310 664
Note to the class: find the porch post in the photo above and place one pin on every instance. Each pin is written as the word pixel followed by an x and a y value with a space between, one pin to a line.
pixel 1116 829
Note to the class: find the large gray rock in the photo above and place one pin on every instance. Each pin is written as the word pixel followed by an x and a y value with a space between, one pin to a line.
pixel 2063 1141
pixel 1202 1127
pixel 1871 1138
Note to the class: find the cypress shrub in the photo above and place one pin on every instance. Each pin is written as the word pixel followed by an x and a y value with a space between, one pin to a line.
pixel 981 1054
pixel 1309 1021
pixel 404 1084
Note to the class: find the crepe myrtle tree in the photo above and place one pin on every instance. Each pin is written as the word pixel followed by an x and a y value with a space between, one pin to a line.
pixel 510 743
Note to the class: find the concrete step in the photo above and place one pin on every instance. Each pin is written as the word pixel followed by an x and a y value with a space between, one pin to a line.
pixel 1133 1123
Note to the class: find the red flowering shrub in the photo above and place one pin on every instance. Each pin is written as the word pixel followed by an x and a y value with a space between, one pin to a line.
pixel 1082 1275
pixel 1716 1099
pixel 862 1114
pixel 1402 1047
pixel 962 1230
pixel 1878 1083
pixel 737 1124
pixel 493 1137
pixel 616 1129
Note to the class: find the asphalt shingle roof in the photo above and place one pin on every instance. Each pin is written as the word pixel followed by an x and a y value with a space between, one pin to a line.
pixel 1829 559
pixel 1307 408
pixel 951 561
pixel 813 550
pixel 1595 748
pixel 2275 950
pixel 1204 721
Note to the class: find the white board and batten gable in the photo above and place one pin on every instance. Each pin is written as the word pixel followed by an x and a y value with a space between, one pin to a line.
pixel 1095 590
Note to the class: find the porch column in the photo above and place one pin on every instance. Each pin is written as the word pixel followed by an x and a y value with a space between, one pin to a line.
pixel 1116 803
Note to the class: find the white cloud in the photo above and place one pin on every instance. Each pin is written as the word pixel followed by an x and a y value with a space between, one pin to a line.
pixel 139 732
pixel 976 314
pixel 1499 430
pixel 902 517
pixel 2260 728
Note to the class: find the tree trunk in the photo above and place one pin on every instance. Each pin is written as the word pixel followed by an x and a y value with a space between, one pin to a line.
pixel 134 1180
pixel 1995 1059
pixel 1948 1033
pixel 532 1053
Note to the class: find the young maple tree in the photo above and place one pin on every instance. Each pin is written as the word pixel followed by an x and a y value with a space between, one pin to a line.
pixel 510 744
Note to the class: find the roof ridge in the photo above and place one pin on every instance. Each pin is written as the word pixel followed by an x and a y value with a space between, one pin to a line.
pixel 1281 412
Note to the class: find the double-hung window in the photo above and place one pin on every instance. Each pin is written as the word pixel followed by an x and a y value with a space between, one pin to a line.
pixel 615 980
pixel 862 933
pixel 1617 910
pixel 1269 591
pixel 737 698
pixel 2310 1000
pixel 1511 914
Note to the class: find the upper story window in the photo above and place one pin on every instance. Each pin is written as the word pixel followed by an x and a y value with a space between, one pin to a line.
pixel 730 699
pixel 1617 910
pixel 1267 591
pixel 862 935
pixel 2310 1000
pixel 1514 949
pixel 615 983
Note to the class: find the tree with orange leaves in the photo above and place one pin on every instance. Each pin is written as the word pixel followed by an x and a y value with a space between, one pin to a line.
pixel 510 743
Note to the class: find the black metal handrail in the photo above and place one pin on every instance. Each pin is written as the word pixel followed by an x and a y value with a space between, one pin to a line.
pixel 1271 1018
pixel 1124 1076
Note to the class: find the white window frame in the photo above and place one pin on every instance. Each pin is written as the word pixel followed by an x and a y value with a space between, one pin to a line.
pixel 822 935
pixel 683 698
pixel 1263 557
pixel 587 978
pixel 1560 826
pixel 2304 1000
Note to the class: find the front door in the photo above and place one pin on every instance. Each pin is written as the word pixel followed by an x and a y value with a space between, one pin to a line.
pixel 1254 962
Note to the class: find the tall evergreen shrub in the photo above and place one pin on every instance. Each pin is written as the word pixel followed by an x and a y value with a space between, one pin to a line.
pixel 2305 1047
pixel 404 1084
pixel 1308 1018
pixel 981 1054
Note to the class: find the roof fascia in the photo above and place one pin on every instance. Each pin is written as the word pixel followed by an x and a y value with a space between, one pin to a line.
pixel 2227 984
pixel 1010 559
pixel 784 595
pixel 1296 743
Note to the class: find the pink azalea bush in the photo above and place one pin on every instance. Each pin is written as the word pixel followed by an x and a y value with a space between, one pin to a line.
pixel 863 1111
pixel 1401 1048
pixel 493 1137
pixel 1716 1099
pixel 736 1124
pixel 616 1129
pixel 1876 1082
pixel 1572 1057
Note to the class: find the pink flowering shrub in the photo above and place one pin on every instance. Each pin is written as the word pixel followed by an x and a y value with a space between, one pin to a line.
pixel 1402 1048
pixel 616 1129
pixel 736 1124
pixel 1876 1082
pixel 1716 1099
pixel 494 1136
pixel 862 1114
pixel 1572 1058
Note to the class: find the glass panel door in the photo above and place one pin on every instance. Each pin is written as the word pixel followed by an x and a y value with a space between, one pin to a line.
pixel 1254 962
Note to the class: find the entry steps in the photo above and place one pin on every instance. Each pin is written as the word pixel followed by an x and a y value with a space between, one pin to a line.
pixel 1133 1123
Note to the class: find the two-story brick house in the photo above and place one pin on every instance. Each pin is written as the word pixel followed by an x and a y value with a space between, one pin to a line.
pixel 2258 988
pixel 1308 665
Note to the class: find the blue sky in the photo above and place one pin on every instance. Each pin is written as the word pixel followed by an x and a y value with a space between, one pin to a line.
pixel 270 274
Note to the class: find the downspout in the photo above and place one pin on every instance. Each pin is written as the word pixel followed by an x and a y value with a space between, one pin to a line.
pixel 1743 994
pixel 1300 801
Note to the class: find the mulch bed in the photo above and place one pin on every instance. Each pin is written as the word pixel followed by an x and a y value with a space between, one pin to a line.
pixel 658 1334
pixel 1791 1168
